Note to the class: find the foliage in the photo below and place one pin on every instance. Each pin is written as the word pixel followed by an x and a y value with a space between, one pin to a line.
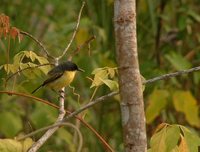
pixel 168 40
pixel 172 138
pixel 9 145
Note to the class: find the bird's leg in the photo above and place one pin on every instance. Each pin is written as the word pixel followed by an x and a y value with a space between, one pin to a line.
pixel 60 94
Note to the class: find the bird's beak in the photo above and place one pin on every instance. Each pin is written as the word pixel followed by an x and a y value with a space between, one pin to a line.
pixel 81 70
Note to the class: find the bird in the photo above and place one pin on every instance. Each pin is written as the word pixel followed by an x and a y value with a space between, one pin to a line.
pixel 60 76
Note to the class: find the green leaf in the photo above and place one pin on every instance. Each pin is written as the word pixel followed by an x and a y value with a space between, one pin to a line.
pixel 157 141
pixel 113 85
pixel 172 137
pixel 186 103
pixel 191 139
pixel 165 139
pixel 157 101
pixel 178 61
pixel 11 123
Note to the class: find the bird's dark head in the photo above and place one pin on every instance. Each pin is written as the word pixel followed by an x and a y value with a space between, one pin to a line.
pixel 70 66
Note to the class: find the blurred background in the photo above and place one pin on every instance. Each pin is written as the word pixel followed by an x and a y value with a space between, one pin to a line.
pixel 168 37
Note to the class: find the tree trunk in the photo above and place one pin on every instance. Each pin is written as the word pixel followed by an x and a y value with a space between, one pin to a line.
pixel 132 107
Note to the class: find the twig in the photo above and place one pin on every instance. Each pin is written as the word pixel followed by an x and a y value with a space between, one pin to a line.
pixel 63 124
pixel 90 104
pixel 57 107
pixel 50 131
pixel 82 45
pixel 75 31
pixel 38 42
pixel 170 75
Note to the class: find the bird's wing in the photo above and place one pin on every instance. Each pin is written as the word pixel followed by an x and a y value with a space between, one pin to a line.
pixel 52 78
pixel 57 69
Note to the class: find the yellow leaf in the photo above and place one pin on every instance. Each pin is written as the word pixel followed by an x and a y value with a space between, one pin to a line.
pixel 186 103
pixel 183 145
pixel 32 56
pixel 18 58
pixel 10 145
pixel 111 72
pixel 166 139
pixel 157 141
pixel 26 144
pixel 113 85
pixel 157 101
pixel 99 76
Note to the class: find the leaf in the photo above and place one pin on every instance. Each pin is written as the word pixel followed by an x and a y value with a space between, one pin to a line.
pixel 176 149
pixel 26 144
pixel 95 71
pixel 32 56
pixel 191 140
pixel 186 103
pixel 11 123
pixel 157 141
pixel 10 68
pixel 113 85
pixel 99 76
pixel 161 126
pixel 14 32
pixel 157 101
pixel 183 147
pixel 10 145
pixel 111 72
pixel 18 58
pixel 172 137
pixel 42 60
pixel 166 139
pixel 178 61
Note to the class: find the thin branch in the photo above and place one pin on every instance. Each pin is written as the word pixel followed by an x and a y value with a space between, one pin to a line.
pixel 59 125
pixel 32 97
pixel 75 31
pixel 38 42
pixel 90 104
pixel 57 107
pixel 170 75
pixel 76 51
pixel 80 145
pixel 51 131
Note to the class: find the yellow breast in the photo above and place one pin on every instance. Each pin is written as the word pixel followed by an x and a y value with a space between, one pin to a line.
pixel 63 81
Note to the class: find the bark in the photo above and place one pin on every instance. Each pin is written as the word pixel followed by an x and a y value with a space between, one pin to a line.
pixel 132 107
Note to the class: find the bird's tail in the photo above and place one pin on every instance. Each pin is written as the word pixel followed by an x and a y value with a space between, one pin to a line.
pixel 36 89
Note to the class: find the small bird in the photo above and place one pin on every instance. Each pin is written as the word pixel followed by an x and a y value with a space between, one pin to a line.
pixel 60 76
